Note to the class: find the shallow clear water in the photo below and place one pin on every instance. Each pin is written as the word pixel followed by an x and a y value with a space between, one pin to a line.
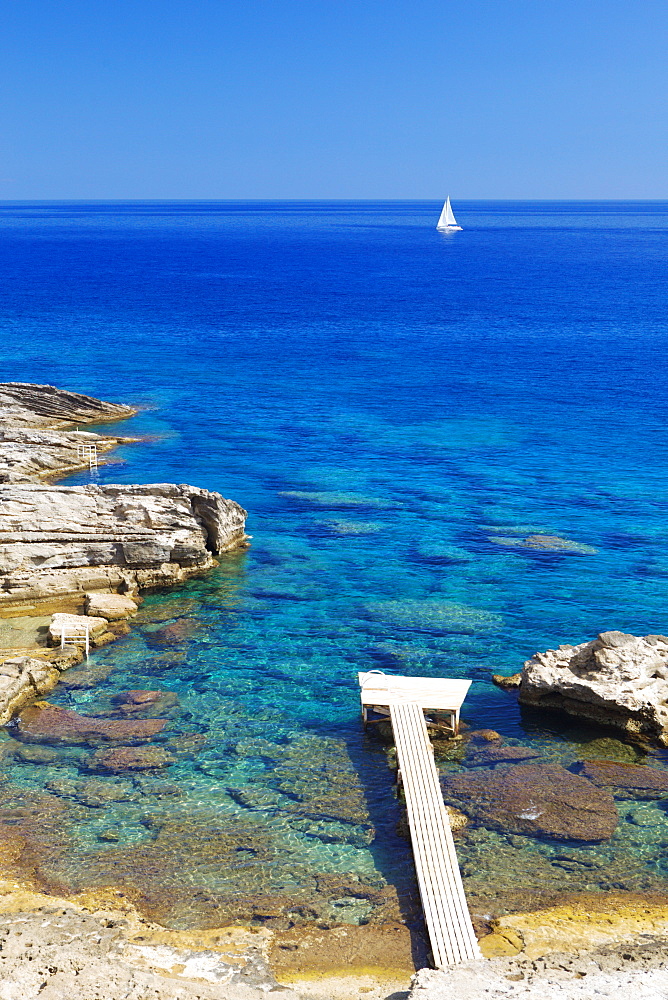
pixel 397 409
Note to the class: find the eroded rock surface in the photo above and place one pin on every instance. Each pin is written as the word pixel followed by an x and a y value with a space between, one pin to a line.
pixel 113 607
pixel 534 799
pixel 48 724
pixel 617 679
pixel 38 430
pixel 64 540
pixel 21 680
pixel 65 548
pixel 642 781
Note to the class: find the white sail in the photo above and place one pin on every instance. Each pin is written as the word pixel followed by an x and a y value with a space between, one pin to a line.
pixel 447 218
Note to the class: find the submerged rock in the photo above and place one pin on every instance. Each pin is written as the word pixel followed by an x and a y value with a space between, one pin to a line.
pixel 446 616
pixel 151 703
pixel 639 779
pixel 617 679
pixel 43 723
pixel 122 759
pixel 539 800
pixel 544 543
pixel 341 527
pixel 499 754
pixel 509 683
pixel 86 676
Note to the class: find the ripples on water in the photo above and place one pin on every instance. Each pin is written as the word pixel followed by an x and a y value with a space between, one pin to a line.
pixel 399 411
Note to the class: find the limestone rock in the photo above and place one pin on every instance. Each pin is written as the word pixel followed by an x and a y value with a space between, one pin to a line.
pixel 64 540
pixel 507 683
pixel 110 606
pixel 48 724
pixel 59 541
pixel 34 441
pixel 535 800
pixel 21 681
pixel 617 679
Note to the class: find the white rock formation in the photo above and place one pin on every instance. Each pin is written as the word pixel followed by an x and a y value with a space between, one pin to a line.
pixel 617 679
pixel 113 607
pixel 74 627
pixel 21 680
pixel 67 540
pixel 34 441
pixel 57 541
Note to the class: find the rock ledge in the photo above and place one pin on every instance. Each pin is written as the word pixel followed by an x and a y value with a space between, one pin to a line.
pixel 617 679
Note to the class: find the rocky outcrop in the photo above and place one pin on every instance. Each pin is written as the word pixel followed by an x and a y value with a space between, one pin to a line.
pixel 36 439
pixel 617 679
pixel 93 547
pixel 539 800
pixel 23 679
pixel 68 540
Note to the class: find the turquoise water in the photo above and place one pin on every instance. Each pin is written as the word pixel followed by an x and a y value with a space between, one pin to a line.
pixel 399 410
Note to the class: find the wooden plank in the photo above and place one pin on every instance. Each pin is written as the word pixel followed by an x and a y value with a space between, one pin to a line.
pixel 444 903
pixel 434 693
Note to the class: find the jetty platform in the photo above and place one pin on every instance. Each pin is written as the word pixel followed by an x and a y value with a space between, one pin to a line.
pixel 404 700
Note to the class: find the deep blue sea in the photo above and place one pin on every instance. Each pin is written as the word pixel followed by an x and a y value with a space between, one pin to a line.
pixel 399 410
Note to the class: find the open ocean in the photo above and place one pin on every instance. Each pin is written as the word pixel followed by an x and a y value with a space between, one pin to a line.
pixel 398 410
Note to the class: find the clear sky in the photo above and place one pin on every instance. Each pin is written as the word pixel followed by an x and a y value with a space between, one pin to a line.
pixel 334 99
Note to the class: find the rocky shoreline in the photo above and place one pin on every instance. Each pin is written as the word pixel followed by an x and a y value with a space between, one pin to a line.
pixel 66 550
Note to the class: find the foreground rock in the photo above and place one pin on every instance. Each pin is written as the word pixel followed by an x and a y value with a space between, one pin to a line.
pixel 617 679
pixel 22 679
pixel 49 724
pixel 539 800
pixel 61 953
pixel 639 970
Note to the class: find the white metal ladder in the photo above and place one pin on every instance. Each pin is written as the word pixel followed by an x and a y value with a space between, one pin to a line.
pixel 87 453
pixel 75 632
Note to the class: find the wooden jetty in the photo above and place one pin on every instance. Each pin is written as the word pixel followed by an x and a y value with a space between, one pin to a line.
pixel 404 700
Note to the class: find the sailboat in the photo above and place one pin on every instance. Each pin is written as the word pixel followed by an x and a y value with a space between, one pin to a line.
pixel 447 222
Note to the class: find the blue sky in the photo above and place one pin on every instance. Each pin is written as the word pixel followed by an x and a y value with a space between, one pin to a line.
pixel 334 99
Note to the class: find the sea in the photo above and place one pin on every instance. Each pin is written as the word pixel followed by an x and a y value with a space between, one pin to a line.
pixel 453 452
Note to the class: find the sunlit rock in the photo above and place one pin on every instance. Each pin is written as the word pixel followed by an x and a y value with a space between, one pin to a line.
pixel 541 800
pixel 617 679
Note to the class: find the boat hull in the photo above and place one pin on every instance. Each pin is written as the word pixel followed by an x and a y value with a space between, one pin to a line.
pixel 449 229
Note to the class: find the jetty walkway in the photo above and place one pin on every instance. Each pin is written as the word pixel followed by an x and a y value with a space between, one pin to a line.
pixel 404 700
